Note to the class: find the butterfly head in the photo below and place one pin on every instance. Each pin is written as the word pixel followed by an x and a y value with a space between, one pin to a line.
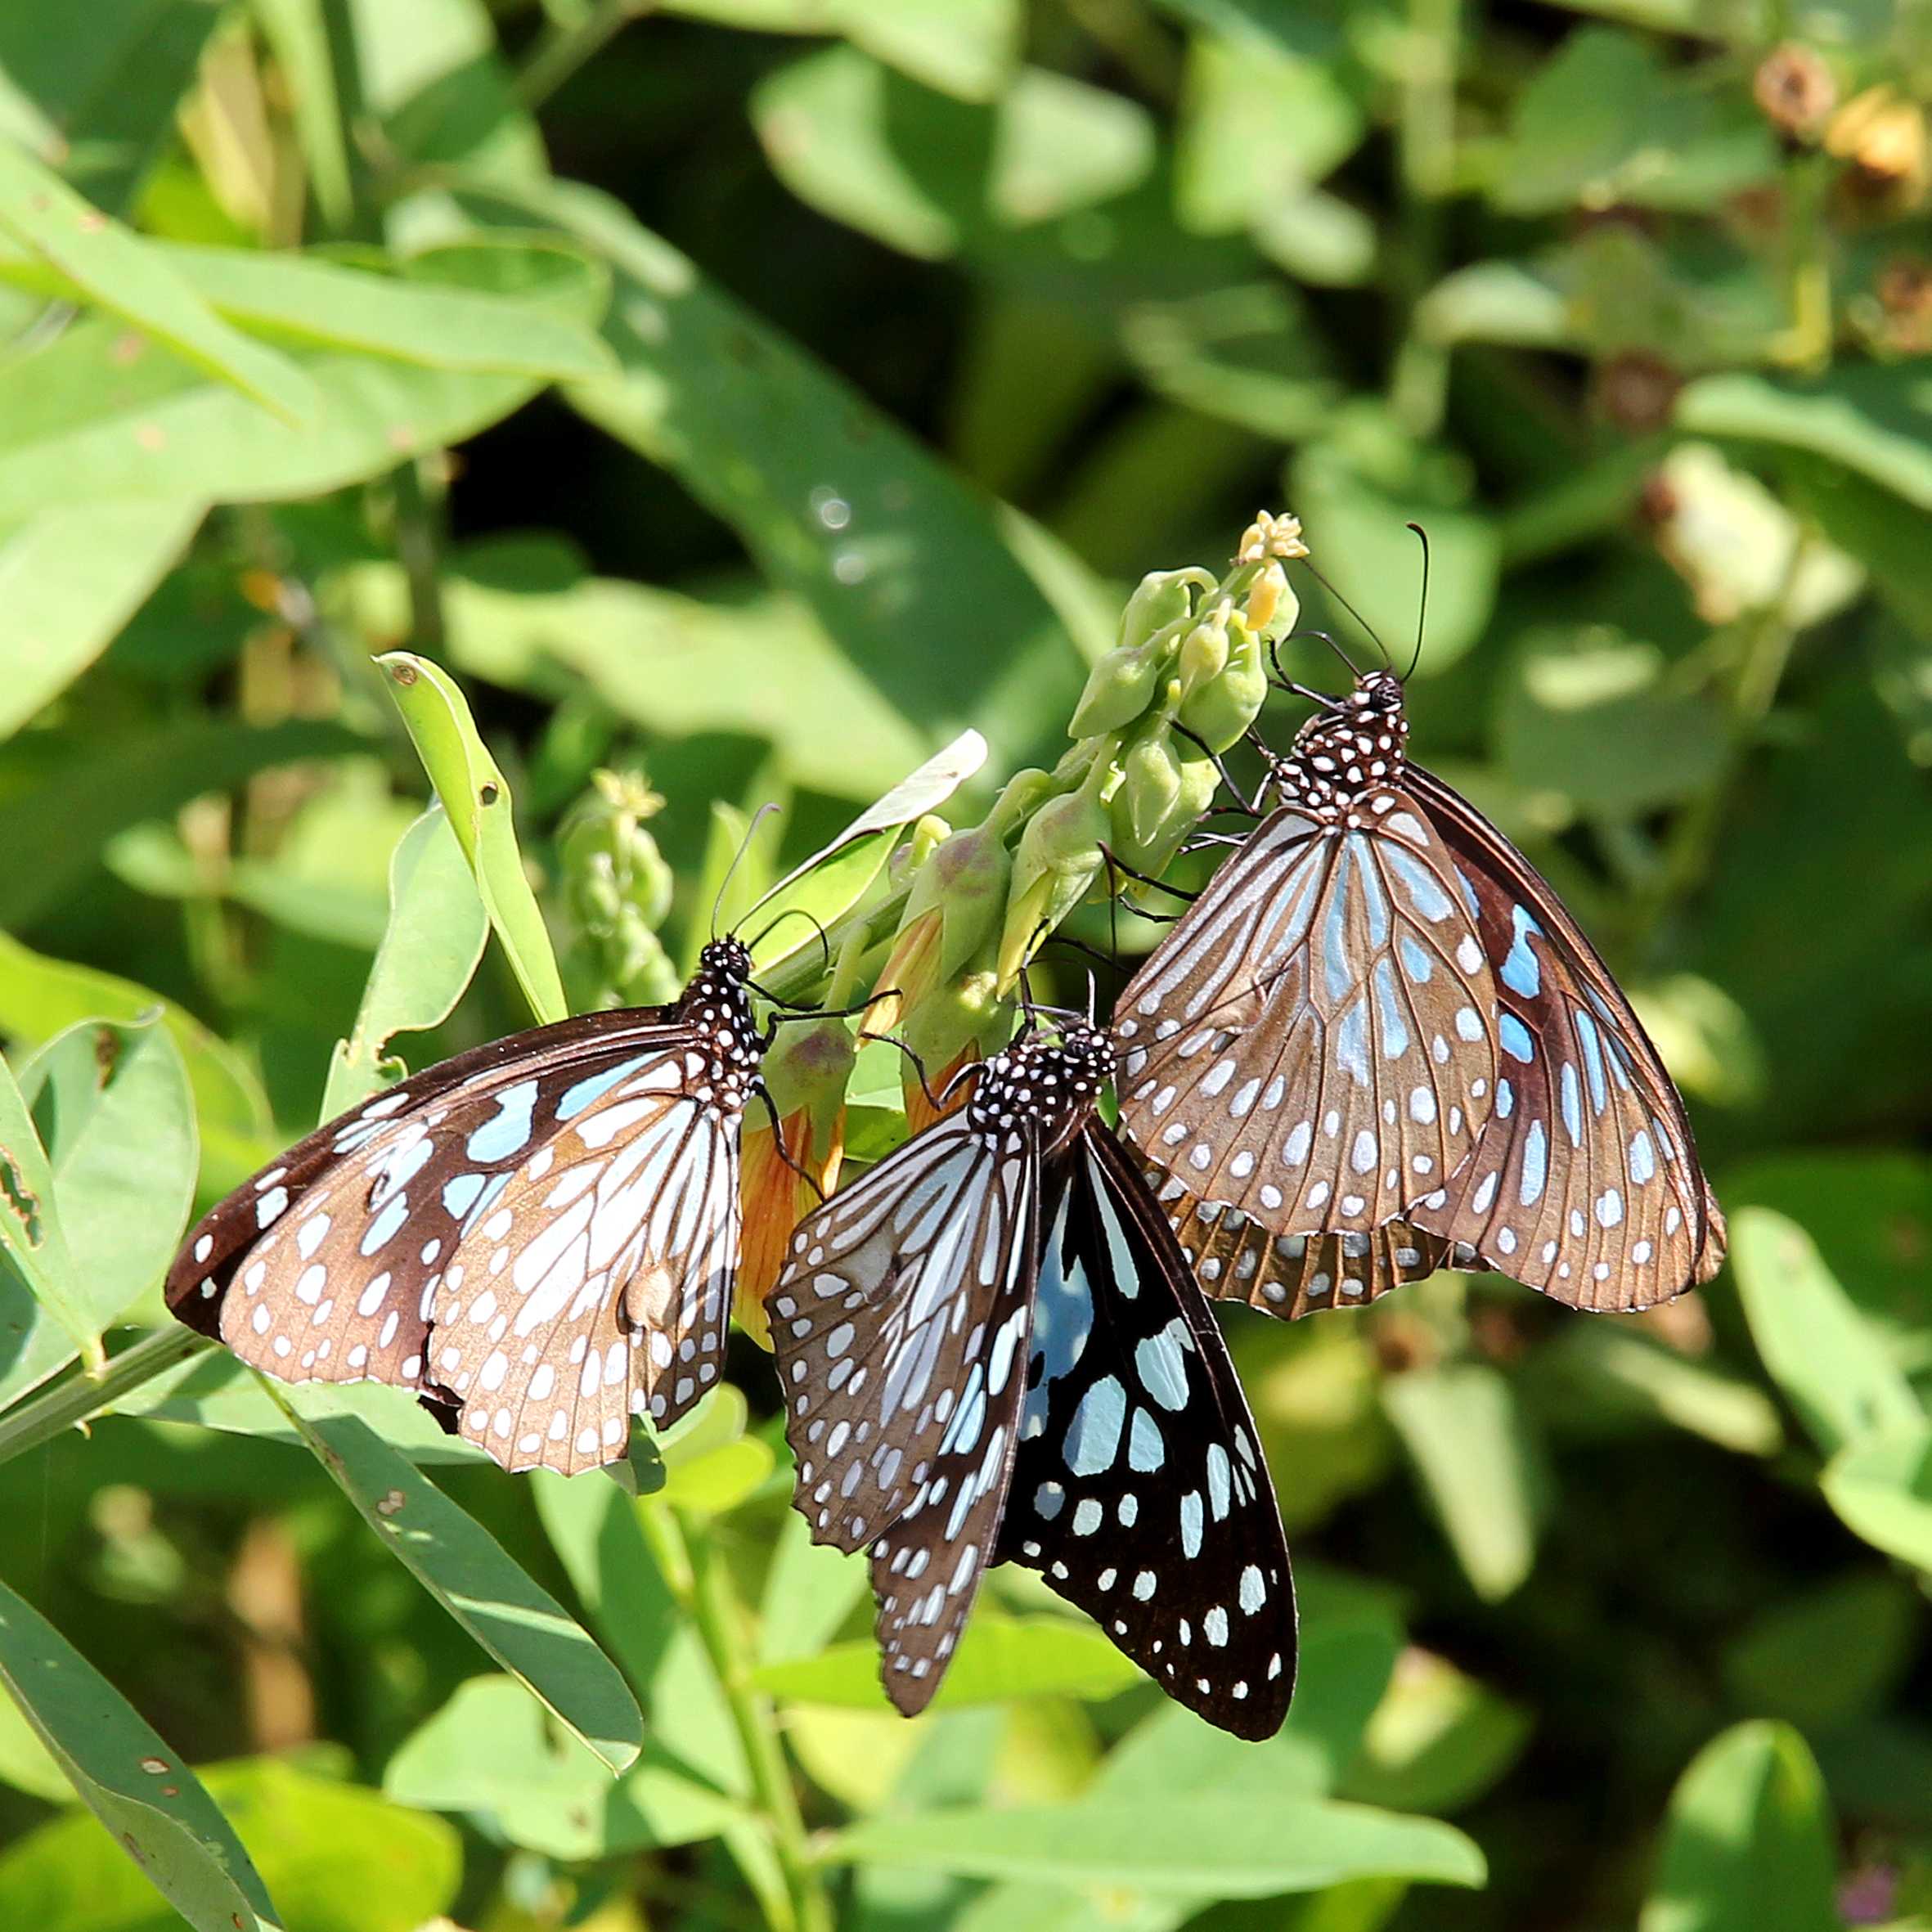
pixel 1050 1084
pixel 726 959
pixel 1351 749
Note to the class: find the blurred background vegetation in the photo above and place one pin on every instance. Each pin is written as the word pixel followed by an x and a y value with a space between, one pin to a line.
pixel 743 397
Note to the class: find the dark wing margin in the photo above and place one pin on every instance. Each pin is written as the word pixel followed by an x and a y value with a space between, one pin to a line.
pixel 1585 1182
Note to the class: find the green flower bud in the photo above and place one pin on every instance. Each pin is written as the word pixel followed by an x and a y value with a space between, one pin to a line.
pixel 966 880
pixel 962 1012
pixel 1162 598
pixel 1204 651
pixel 619 887
pixel 1122 687
pixel 1058 860
pixel 1150 792
pixel 1193 781
pixel 807 1068
pixel 1218 709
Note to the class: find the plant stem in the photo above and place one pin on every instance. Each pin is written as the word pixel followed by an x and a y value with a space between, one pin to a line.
pixel 80 1397
pixel 1425 145
pixel 699 1577
pixel 564 49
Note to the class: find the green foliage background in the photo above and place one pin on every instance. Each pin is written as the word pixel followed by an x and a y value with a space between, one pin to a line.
pixel 757 394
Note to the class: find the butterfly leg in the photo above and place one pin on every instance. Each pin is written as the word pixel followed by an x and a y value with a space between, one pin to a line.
pixel 778 1140
pixel 1127 871
pixel 1251 808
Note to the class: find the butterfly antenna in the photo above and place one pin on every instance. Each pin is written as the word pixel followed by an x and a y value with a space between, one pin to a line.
pixel 794 912
pixel 1422 618
pixel 1368 628
pixel 744 846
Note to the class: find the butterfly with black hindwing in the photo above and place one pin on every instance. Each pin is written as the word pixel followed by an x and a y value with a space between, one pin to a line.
pixel 992 1351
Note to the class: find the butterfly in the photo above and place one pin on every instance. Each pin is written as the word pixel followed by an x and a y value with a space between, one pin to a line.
pixel 1378 1038
pixel 992 1351
pixel 539 1236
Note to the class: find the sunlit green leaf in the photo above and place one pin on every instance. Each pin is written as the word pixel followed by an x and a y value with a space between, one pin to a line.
pixel 133 1781
pixel 437 929
pixel 1820 1350
pixel 1748 1846
pixel 114 268
pixel 1479 1466
pixel 998 1658
pixel 476 797
pixel 470 1575
pixel 1881 1486
pixel 1185 1844
pixel 1438 1741
pixel 489 1752
pixel 33 1245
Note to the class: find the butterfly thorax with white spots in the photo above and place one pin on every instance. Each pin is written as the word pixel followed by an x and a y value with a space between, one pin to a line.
pixel 717 1007
pixel 1348 758
pixel 1052 1084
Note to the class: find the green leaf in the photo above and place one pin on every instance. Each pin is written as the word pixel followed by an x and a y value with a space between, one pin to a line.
pixel 416 316
pixel 32 1245
pixel 25 1763
pixel 39 996
pixel 476 795
pixel 99 95
pixel 492 1753
pixel 69 578
pixel 1749 1841
pixel 1874 418
pixel 1196 1844
pixel 1438 1741
pixel 437 931
pixel 1587 719
pixel 1358 510
pixel 770 670
pixel 119 271
pixel 1248 354
pixel 114 1103
pixel 1829 1655
pixel 810 1589
pixel 1606 121
pixel 966 48
pixel 834 878
pixel 1819 1349
pixel 467 1571
pixel 89 415
pixel 214 1391
pixel 999 1658
pixel 903 563
pixel 120 780
pixel 1596 1367
pixel 1479 1466
pixel 1257 124
pixel 337 1859
pixel 925 174
pixel 130 1779
pixel 489 1752
pixel 1881 1487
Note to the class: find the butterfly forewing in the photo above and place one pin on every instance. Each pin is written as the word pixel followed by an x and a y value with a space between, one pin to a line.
pixel 1585 1182
pixel 1315 1044
pixel 1138 1490
pixel 900 1325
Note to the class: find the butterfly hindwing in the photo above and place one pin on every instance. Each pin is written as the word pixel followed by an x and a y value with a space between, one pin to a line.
pixel 1139 1490
pixel 1316 1042
pixel 1585 1183
pixel 1236 1259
